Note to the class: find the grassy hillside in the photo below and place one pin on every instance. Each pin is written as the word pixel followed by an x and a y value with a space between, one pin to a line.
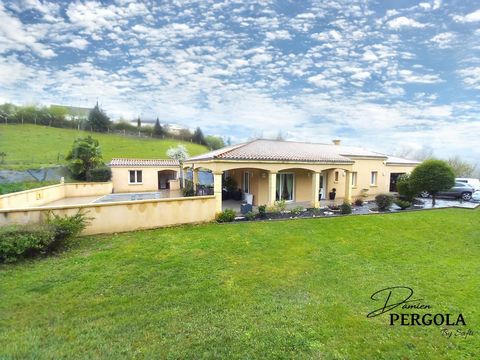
pixel 30 146
pixel 266 290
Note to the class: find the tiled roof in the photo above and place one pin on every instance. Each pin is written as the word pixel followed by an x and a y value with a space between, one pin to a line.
pixel 275 150
pixel 143 162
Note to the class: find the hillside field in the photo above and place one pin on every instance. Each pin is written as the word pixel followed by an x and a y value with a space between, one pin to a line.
pixel 33 146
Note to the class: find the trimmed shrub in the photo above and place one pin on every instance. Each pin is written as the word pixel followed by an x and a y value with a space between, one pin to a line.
pixel 227 215
pixel 384 201
pixel 262 210
pixel 65 227
pixel 405 188
pixel 101 174
pixel 250 215
pixel 297 210
pixel 358 202
pixel 403 204
pixel 17 242
pixel 346 208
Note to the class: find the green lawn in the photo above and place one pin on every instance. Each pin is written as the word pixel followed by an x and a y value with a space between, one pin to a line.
pixel 30 146
pixel 265 290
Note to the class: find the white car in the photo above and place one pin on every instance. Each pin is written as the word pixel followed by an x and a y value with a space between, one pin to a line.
pixel 476 196
pixel 475 183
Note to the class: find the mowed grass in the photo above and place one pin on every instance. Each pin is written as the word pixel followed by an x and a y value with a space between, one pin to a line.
pixel 30 146
pixel 265 290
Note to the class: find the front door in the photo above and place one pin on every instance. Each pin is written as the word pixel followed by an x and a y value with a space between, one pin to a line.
pixel 285 186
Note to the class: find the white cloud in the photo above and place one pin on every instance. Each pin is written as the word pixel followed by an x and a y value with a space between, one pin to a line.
pixel 443 40
pixel 278 35
pixel 15 36
pixel 321 81
pixel 77 44
pixel 410 77
pixel 471 77
pixel 472 17
pixel 404 22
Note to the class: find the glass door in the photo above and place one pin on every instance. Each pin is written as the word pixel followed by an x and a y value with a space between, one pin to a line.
pixel 285 186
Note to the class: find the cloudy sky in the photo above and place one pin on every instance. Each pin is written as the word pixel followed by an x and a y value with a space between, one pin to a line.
pixel 381 74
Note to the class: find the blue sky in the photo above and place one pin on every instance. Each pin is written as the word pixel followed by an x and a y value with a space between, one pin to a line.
pixel 387 75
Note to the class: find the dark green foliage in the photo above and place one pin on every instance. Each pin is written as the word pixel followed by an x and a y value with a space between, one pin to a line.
pixel 214 142
pixel 98 120
pixel 358 202
pixel 65 227
pixel 19 242
pixel 403 204
pixel 139 123
pixel 346 208
pixel 405 188
pixel 262 210
pixel 158 130
pixel 198 137
pixel 227 215
pixel 384 201
pixel 101 174
pixel 250 215
pixel 432 176
pixel 84 156
pixel 297 210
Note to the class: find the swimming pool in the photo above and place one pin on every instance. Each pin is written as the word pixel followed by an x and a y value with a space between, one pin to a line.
pixel 138 196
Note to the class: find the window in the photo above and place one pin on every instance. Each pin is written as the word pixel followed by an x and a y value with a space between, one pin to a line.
pixel 246 182
pixel 135 176
pixel 336 175
pixel 373 178
pixel 354 178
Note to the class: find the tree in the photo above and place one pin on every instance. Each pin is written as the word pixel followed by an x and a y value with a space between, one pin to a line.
pixel 461 168
pixel 404 187
pixel 85 156
pixel 198 137
pixel 158 130
pixel 421 154
pixel 432 176
pixel 214 142
pixel 98 120
pixel 180 154
pixel 139 123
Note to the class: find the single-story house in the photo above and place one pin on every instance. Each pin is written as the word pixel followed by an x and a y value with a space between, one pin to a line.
pixel 138 175
pixel 300 172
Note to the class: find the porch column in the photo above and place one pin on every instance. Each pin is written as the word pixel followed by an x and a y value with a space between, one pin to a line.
pixel 315 203
pixel 348 186
pixel 195 180
pixel 217 191
pixel 272 188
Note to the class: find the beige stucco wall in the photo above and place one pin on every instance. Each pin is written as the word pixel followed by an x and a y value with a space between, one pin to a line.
pixel 303 172
pixel 48 194
pixel 121 178
pixel 124 216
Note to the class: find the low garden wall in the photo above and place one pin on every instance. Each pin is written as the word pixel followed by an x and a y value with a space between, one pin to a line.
pixel 122 216
pixel 48 194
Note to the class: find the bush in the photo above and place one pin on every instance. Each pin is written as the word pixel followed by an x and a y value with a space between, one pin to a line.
pixel 19 242
pixel 227 215
pixel 297 210
pixel 250 215
pixel 281 205
pixel 262 210
pixel 403 204
pixel 188 190
pixel 346 208
pixel 316 211
pixel 101 174
pixel 384 201
pixel 405 188
pixel 65 227
pixel 358 202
